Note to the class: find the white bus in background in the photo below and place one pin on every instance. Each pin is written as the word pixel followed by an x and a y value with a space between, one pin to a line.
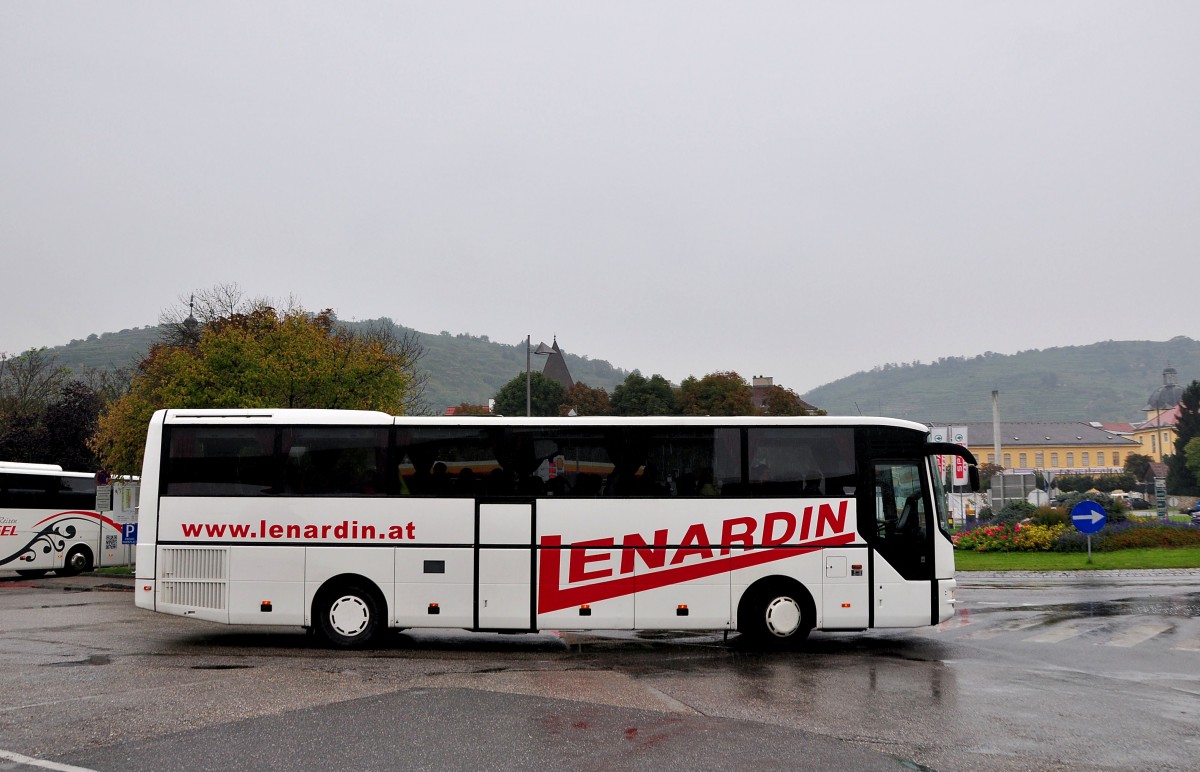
pixel 352 522
pixel 49 521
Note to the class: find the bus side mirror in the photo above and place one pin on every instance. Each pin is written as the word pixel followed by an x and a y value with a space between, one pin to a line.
pixel 973 475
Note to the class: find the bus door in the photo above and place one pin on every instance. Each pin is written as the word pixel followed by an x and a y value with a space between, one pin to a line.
pixel 504 589
pixel 899 531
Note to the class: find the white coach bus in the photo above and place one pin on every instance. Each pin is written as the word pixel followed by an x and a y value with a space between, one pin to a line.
pixel 350 522
pixel 49 521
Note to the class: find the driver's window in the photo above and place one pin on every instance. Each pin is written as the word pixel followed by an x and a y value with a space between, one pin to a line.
pixel 899 504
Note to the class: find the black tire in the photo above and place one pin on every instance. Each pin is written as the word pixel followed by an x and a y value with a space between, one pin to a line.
pixel 79 559
pixel 776 616
pixel 32 573
pixel 348 616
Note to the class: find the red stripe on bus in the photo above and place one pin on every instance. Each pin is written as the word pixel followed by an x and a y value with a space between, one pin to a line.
pixel 106 520
pixel 552 597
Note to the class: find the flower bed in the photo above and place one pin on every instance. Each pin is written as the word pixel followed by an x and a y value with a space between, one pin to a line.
pixel 1009 537
pixel 1029 537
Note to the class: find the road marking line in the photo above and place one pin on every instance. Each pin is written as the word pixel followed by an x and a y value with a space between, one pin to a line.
pixel 1063 632
pixel 1138 634
pixel 18 758
pixel 1001 629
pixel 1192 644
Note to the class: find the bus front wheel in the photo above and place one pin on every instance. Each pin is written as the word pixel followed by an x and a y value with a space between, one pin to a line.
pixel 347 616
pixel 776 615
pixel 78 561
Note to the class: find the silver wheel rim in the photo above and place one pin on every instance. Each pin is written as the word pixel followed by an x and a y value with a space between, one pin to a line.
pixel 349 616
pixel 76 561
pixel 783 617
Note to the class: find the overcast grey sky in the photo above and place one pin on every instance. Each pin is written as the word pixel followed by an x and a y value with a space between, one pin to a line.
pixel 794 189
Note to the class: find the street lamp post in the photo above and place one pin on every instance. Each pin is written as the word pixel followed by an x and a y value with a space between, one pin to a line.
pixel 542 350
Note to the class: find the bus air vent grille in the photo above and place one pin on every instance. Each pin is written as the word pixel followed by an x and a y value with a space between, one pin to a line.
pixel 194 562
pixel 194 576
pixel 195 594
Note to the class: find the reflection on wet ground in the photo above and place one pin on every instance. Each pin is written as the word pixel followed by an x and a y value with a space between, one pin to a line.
pixel 1186 605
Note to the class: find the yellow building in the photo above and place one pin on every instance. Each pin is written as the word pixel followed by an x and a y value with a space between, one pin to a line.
pixel 1075 447
pixel 1062 447
pixel 1157 433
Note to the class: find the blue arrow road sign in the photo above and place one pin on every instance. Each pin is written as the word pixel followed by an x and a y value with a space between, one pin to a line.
pixel 1088 516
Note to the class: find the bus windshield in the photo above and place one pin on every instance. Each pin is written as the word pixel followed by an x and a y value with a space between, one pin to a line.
pixel 941 506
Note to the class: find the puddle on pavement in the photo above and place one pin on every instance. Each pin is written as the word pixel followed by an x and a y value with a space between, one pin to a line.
pixel 1185 606
pixel 95 659
pixel 1177 606
pixel 221 667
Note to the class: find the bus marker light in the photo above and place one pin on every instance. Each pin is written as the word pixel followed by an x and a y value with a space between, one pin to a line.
pixel 435 608
pixel 845 605
pixel 147 587
pixel 681 610
pixel 265 606
pixel 585 610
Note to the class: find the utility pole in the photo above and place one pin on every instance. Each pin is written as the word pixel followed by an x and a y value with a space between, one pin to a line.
pixel 996 426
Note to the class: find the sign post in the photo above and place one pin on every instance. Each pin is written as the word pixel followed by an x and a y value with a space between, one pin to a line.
pixel 1088 517
pixel 1160 495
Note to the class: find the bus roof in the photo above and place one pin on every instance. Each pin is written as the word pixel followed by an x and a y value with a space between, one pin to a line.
pixel 19 465
pixel 44 470
pixel 376 418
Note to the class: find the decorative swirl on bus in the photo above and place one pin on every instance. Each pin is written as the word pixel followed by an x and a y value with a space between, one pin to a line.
pixel 52 537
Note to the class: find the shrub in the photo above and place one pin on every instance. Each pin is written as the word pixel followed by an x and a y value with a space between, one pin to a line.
pixel 1130 534
pixel 1071 540
pixel 1153 535
pixel 1034 538
pixel 1015 512
pixel 1051 516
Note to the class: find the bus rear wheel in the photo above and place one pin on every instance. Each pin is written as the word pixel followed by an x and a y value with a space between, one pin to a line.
pixel 776 616
pixel 78 561
pixel 348 616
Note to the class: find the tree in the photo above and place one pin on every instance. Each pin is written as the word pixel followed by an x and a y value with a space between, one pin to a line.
pixel 585 400
pixel 1191 453
pixel 29 382
pixel 1137 464
pixel 987 472
pixel 69 424
pixel 45 417
pixel 723 393
pixel 57 433
pixel 22 438
pixel 183 324
pixel 1181 480
pixel 782 402
pixel 546 395
pixel 261 358
pixel 638 395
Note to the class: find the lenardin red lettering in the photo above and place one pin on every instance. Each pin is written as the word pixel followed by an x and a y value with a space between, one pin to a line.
pixel 596 573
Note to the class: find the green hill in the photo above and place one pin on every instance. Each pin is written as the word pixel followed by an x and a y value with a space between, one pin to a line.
pixel 1107 381
pixel 109 350
pixel 468 368
pixel 461 368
